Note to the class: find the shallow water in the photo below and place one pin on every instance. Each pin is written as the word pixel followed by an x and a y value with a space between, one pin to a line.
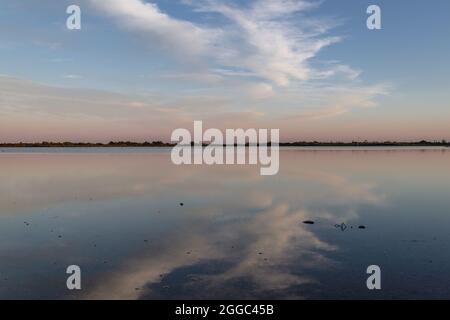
pixel 116 213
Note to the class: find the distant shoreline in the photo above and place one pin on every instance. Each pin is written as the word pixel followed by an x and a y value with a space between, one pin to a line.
pixel 160 144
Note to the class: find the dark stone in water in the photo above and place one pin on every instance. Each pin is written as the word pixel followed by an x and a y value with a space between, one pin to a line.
pixel 362 227
pixel 181 204
pixel 308 222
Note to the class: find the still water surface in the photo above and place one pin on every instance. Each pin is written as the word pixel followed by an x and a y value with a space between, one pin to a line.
pixel 116 213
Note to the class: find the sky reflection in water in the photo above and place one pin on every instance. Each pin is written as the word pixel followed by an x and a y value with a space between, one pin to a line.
pixel 239 235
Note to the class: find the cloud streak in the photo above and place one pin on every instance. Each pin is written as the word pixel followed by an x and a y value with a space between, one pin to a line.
pixel 171 33
pixel 264 40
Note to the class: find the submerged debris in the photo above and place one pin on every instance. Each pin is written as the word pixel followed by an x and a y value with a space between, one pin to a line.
pixel 341 226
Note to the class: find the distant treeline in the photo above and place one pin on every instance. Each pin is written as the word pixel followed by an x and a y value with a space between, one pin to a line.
pixel 422 143
pixel 46 144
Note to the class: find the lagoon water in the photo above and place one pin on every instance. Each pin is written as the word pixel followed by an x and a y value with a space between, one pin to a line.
pixel 116 213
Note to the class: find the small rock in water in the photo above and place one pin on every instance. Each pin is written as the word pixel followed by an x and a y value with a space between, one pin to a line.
pixel 308 222
pixel 181 204
pixel 362 227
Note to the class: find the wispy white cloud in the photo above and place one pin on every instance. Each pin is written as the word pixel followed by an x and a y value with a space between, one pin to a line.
pixel 263 48
pixel 205 77
pixel 177 35
pixel 339 70
pixel 337 100
pixel 72 76
pixel 260 91
pixel 262 39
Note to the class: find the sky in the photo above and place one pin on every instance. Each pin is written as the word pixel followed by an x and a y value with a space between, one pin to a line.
pixel 137 70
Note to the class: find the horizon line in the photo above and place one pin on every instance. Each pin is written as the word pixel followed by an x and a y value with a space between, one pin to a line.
pixel 124 143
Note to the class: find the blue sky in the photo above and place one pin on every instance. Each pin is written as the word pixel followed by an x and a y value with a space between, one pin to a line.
pixel 140 69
